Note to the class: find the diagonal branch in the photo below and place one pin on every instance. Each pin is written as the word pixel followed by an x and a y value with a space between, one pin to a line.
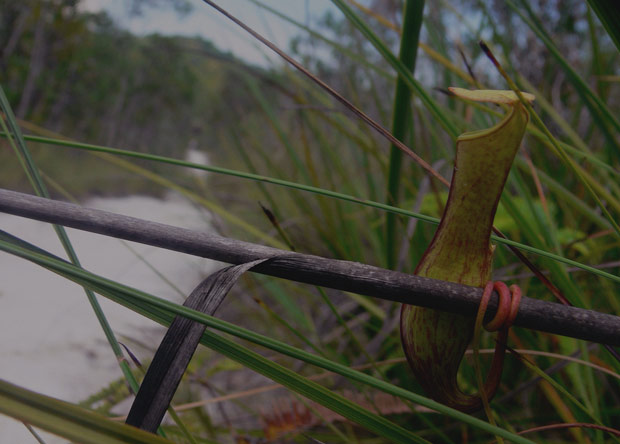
pixel 337 274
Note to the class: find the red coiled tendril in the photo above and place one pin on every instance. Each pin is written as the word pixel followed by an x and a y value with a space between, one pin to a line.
pixel 507 309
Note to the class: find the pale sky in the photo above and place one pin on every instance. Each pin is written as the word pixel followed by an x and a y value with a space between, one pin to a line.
pixel 210 24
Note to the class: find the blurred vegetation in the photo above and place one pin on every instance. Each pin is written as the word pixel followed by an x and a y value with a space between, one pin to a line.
pixel 77 74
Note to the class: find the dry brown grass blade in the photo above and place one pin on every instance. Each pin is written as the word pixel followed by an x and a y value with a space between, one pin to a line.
pixel 582 425
pixel 177 348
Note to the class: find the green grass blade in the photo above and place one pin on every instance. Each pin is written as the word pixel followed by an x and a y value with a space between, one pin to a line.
pixel 400 68
pixel 68 420
pixel 601 114
pixel 412 23
pixel 311 189
pixel 561 192
pixel 274 121
pixel 323 192
pixel 18 142
pixel 608 13
pixel 229 172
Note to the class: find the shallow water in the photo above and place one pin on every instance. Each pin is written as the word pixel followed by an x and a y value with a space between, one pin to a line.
pixel 50 340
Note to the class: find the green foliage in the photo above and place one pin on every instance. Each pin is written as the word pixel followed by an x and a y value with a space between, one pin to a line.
pixel 68 420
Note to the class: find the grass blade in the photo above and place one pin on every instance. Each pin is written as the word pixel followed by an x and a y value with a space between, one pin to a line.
pixel 608 13
pixel 19 145
pixel 601 114
pixel 327 193
pixel 412 23
pixel 177 348
pixel 400 68
pixel 68 420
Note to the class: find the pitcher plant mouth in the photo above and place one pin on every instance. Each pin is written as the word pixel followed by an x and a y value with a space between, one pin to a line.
pixel 434 342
